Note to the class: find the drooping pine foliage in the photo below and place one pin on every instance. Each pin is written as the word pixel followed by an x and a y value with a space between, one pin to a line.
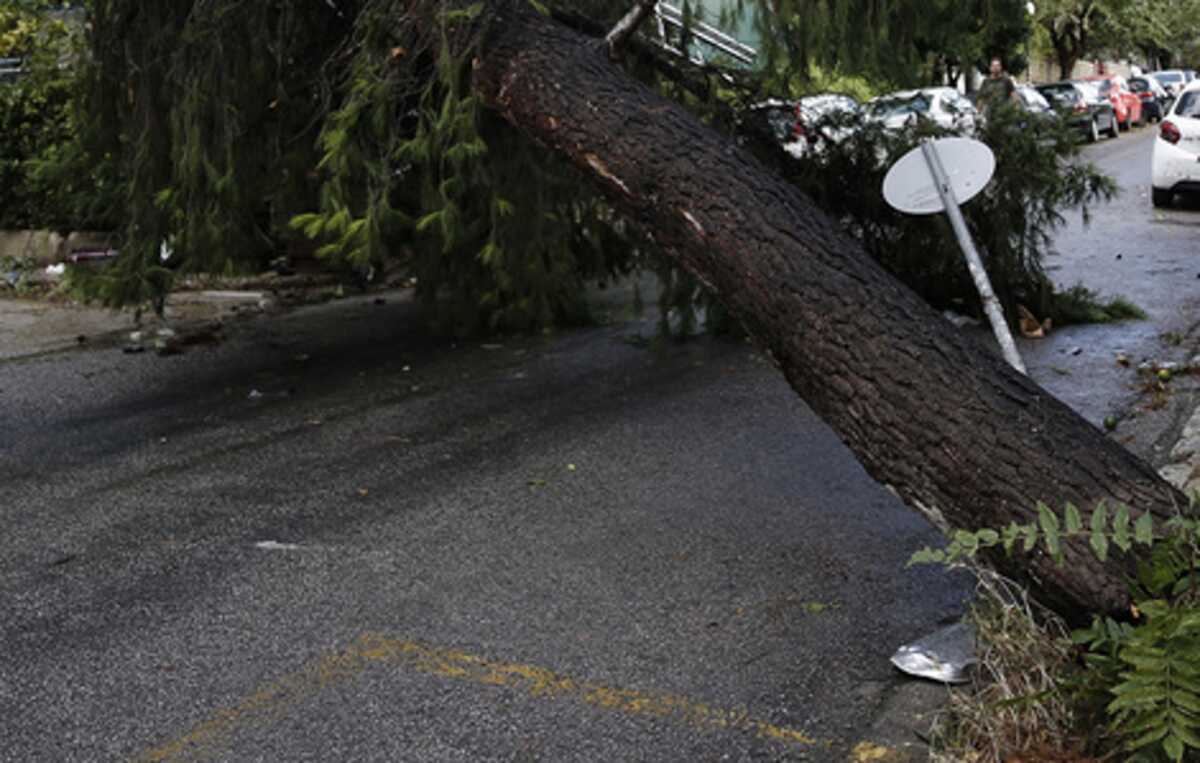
pixel 224 133
pixel 241 130
pixel 898 43
pixel 206 112
pixel 498 235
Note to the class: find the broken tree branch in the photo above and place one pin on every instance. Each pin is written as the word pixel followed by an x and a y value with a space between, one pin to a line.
pixel 628 25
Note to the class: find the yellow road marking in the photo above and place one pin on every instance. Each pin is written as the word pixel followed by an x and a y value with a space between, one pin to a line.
pixel 269 702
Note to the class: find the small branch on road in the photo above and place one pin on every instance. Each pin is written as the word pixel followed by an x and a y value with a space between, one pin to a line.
pixel 616 38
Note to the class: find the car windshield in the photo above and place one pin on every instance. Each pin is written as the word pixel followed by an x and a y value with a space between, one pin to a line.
pixel 816 106
pixel 891 107
pixel 1033 99
pixel 1169 77
pixel 1063 95
pixel 1090 90
pixel 1103 86
pixel 1189 105
pixel 1138 85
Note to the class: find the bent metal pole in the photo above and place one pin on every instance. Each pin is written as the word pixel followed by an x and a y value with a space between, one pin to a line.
pixel 991 305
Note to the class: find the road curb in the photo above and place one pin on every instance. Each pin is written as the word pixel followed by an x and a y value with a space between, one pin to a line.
pixel 1183 468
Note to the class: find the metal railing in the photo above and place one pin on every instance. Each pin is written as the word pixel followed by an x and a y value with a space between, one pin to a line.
pixel 670 19
pixel 11 68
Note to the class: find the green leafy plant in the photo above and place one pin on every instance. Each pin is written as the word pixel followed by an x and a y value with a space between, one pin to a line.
pixel 1148 670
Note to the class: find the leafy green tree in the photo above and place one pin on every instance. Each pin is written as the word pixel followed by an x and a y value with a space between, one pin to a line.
pixel 1077 29
pixel 34 112
pixel 1163 31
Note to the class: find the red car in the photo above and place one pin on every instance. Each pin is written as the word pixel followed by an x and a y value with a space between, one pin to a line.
pixel 1126 103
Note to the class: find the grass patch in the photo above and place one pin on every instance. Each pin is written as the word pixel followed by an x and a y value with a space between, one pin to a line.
pixel 1080 304
pixel 1014 709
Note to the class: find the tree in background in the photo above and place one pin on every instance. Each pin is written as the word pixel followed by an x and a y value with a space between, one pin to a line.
pixel 1164 32
pixel 1079 29
pixel 35 115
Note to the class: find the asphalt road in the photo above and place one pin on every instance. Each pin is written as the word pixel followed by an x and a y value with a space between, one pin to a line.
pixel 1147 255
pixel 331 538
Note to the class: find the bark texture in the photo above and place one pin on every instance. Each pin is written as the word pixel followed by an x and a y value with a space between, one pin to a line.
pixel 945 423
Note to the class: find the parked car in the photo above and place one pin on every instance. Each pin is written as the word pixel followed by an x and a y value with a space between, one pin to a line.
pixel 776 118
pixel 944 106
pixel 1175 160
pixel 1125 102
pixel 825 119
pixel 1172 80
pixel 1034 102
pixel 809 124
pixel 1081 106
pixel 1155 100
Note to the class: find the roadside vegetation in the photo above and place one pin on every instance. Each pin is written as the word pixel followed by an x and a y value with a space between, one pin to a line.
pixel 1126 689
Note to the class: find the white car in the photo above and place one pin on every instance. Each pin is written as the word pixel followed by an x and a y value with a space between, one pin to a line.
pixel 824 120
pixel 810 124
pixel 943 105
pixel 1175 162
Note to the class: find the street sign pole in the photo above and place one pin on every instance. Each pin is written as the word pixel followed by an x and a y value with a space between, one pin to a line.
pixel 991 305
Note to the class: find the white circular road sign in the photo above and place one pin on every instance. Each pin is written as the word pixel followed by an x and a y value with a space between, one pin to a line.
pixel 910 187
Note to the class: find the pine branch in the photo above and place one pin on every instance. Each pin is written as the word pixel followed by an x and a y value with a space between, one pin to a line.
pixel 628 25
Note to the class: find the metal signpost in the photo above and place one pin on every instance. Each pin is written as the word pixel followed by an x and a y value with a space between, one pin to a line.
pixel 919 184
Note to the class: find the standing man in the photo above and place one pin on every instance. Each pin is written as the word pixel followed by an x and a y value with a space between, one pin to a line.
pixel 998 87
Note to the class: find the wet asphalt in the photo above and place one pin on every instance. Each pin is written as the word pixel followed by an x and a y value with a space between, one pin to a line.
pixel 1149 256
pixel 330 537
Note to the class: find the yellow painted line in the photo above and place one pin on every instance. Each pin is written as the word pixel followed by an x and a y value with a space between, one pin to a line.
pixel 270 702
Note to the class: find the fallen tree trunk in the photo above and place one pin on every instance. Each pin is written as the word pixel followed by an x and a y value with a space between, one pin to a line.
pixel 929 412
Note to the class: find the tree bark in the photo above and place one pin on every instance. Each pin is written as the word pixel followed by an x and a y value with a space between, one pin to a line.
pixel 929 411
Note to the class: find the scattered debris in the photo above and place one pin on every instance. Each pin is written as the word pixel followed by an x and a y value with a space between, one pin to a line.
pixel 91 255
pixel 1029 325
pixel 1075 351
pixel 1122 359
pixel 271 545
pixel 254 394
pixel 166 342
pixel 959 320
pixel 944 655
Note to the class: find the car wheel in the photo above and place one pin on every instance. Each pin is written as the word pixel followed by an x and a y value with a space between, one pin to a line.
pixel 1094 131
pixel 1161 197
pixel 1113 129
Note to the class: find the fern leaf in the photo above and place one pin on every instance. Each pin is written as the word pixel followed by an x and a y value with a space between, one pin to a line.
pixel 1173 747
pixel 1143 529
pixel 1073 521
pixel 1099 543
pixel 1121 529
pixel 1154 735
